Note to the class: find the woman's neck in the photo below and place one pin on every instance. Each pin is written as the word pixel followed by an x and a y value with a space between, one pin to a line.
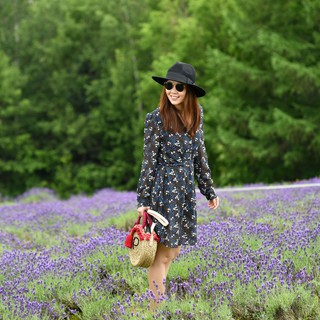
pixel 179 107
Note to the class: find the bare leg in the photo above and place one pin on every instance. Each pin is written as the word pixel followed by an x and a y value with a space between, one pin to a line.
pixel 159 269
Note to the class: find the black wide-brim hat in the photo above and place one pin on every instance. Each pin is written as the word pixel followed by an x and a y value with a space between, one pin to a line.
pixel 183 73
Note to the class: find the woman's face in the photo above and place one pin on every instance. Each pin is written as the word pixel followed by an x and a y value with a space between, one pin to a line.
pixel 175 96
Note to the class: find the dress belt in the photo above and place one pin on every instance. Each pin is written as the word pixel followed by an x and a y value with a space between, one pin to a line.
pixel 175 164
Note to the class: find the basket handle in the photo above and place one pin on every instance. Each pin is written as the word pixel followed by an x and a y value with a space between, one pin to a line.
pixel 146 220
pixel 159 217
pixel 152 233
pixel 149 219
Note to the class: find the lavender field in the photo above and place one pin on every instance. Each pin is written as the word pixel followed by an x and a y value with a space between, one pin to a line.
pixel 257 257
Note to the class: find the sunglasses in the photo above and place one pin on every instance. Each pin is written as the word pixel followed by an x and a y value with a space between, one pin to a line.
pixel 169 85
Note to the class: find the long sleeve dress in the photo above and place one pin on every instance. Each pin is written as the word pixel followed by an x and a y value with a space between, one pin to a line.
pixel 170 165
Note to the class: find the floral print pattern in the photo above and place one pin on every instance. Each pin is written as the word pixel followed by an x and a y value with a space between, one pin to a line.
pixel 171 163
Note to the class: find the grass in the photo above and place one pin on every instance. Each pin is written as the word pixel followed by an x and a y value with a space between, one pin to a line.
pixel 124 221
pixel 78 229
pixel 291 304
pixel 182 266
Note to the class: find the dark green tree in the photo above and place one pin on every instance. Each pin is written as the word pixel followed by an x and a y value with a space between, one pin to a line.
pixel 76 86
pixel 19 159
pixel 81 77
pixel 262 66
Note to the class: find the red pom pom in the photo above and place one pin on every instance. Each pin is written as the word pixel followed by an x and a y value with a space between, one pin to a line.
pixel 128 242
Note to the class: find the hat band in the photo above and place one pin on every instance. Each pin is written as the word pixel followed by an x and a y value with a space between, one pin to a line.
pixel 179 77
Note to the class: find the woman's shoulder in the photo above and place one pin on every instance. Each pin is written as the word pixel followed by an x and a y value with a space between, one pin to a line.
pixel 201 112
pixel 154 116
pixel 154 113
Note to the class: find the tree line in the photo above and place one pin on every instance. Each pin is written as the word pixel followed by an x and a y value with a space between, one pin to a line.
pixel 75 86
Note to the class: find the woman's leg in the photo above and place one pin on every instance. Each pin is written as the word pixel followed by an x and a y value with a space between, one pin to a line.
pixel 159 269
pixel 174 253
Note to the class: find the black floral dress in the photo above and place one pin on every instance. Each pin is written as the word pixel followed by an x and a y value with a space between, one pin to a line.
pixel 171 163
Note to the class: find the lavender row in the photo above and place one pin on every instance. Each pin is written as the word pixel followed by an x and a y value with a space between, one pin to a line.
pixel 257 242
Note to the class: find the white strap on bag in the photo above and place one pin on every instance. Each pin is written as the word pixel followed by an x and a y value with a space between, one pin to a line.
pixel 152 234
pixel 159 217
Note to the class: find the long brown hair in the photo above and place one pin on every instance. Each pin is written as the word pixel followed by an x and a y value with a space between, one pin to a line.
pixel 177 121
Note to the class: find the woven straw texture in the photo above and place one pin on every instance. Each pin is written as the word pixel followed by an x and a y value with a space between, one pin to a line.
pixel 143 252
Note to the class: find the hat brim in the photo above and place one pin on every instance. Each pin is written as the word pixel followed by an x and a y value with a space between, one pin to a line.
pixel 198 90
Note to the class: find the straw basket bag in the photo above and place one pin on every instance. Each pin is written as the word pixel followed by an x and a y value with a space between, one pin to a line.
pixel 143 241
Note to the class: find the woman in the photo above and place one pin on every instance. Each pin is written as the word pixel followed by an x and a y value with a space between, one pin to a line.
pixel 174 151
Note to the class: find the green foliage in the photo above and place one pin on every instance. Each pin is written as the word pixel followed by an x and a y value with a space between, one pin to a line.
pixel 19 157
pixel 265 90
pixel 124 221
pixel 290 304
pixel 75 87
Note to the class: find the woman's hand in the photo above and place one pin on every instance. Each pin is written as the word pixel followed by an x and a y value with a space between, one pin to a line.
pixel 214 203
pixel 141 210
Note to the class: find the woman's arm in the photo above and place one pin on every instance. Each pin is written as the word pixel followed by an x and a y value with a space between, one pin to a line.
pixel 202 169
pixel 149 163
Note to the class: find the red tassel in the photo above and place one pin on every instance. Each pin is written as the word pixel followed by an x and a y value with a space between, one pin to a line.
pixel 128 242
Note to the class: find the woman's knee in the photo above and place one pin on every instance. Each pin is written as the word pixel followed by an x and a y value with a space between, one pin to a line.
pixel 167 255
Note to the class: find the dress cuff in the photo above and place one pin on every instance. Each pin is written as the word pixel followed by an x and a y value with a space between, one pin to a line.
pixel 211 196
